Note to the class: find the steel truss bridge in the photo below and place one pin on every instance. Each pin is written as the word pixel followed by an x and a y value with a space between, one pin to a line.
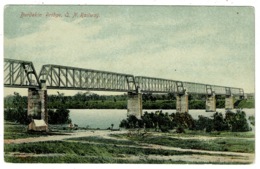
pixel 21 74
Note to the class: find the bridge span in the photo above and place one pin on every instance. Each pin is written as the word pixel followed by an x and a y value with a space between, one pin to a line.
pixel 22 74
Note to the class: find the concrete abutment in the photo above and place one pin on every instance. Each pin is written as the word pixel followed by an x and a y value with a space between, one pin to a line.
pixel 134 104
pixel 229 102
pixel 182 103
pixel 37 103
pixel 211 103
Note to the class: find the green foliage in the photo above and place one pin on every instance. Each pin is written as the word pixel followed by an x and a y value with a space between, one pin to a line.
pixel 85 149
pixel 150 101
pixel 60 116
pixel 237 121
pixel 220 103
pixel 231 144
pixel 184 120
pixel 204 123
pixel 14 130
pixel 16 111
pixel 219 124
pixel 103 140
pixel 246 104
pixel 197 104
pixel 252 120
pixel 16 115
pixel 159 119
pixel 130 122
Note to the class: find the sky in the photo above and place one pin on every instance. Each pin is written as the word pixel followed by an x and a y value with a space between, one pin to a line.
pixel 212 45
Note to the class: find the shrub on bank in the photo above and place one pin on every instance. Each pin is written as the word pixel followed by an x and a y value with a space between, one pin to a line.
pixel 235 122
pixel 159 120
pixel 60 116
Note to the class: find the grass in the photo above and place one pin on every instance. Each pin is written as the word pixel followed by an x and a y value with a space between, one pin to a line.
pixel 86 159
pixel 229 143
pixel 228 134
pixel 102 150
pixel 83 149
pixel 75 152
pixel 14 130
pixel 246 104
pixel 233 145
pixel 103 140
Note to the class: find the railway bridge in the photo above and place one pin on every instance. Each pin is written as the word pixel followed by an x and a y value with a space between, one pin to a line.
pixel 22 74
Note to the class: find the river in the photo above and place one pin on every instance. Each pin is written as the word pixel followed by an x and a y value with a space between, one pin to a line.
pixel 103 118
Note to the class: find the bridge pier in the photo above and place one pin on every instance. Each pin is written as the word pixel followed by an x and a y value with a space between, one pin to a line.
pixel 37 103
pixel 210 103
pixel 34 104
pixel 229 102
pixel 134 104
pixel 182 103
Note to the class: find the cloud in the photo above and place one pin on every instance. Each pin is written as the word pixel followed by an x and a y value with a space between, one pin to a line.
pixel 60 41
pixel 179 47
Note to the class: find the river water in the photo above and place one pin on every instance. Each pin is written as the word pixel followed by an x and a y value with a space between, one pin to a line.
pixel 103 118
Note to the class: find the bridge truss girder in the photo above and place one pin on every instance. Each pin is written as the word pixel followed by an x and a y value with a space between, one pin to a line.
pixel 22 74
pixel 64 77
pixel 158 85
pixel 19 74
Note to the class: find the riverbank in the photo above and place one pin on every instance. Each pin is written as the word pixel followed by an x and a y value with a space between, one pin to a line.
pixel 132 146
pixel 157 104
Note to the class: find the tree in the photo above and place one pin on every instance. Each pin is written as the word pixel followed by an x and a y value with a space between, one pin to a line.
pixel 131 122
pixel 184 120
pixel 237 121
pixel 219 124
pixel 61 115
pixel 204 123
pixel 17 111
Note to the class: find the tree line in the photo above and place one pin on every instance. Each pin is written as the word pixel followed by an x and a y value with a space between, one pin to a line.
pixel 86 100
pixel 16 111
pixel 159 121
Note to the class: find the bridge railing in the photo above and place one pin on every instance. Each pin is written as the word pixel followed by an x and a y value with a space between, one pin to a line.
pixel 64 77
pixel 19 74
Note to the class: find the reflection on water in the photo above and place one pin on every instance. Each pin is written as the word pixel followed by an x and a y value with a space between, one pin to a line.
pixel 103 118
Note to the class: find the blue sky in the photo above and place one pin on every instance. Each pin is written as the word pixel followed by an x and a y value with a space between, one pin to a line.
pixel 213 45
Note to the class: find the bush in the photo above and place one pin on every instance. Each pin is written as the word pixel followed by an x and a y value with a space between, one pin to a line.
pixel 60 116
pixel 130 122
pixel 184 120
pixel 161 120
pixel 17 115
pixel 237 121
pixel 219 124
pixel 180 130
pixel 252 120
pixel 204 123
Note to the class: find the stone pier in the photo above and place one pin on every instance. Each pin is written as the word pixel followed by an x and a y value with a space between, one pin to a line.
pixel 34 103
pixel 229 102
pixel 134 104
pixel 211 103
pixel 37 103
pixel 182 103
